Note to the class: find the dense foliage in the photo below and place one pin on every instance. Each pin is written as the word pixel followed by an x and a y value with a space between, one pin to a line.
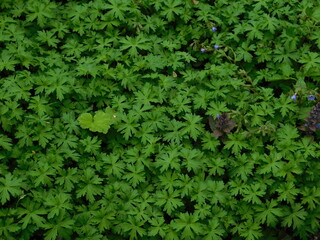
pixel 104 112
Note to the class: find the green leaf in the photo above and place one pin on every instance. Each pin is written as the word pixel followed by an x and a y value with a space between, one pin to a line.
pixel 237 142
pixel 61 227
pixel 135 174
pixel 42 174
pixel 310 60
pixel 130 125
pixel 58 204
pixel 189 225
pixel 168 159
pixel 5 142
pixel 287 191
pixel 250 230
pixel 169 199
pixel 134 44
pixel 158 227
pixel 134 227
pixel 214 230
pixel 294 216
pixel 268 213
pixel 285 104
pixel 9 185
pixel 7 227
pixel 101 121
pixel 171 9
pixel 42 11
pixel 253 192
pixel 193 126
pixel 31 211
pixel 117 8
pixel 311 197
pixel 90 186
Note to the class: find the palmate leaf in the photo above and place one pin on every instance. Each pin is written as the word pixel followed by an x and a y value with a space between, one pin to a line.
pixel 214 230
pixel 9 185
pixel 171 9
pixel 170 200
pixel 60 227
pixel 158 227
pixel 100 122
pixel 236 143
pixel 90 186
pixel 31 212
pixel 250 230
pixel 189 225
pixel 135 174
pixel 58 204
pixel 268 213
pixel 294 216
pixel 133 44
pixel 134 227
pixel 117 9
pixel 192 126
pixel 8 226
pixel 5 142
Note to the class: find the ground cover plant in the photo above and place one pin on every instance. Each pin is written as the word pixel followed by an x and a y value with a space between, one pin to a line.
pixel 159 119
